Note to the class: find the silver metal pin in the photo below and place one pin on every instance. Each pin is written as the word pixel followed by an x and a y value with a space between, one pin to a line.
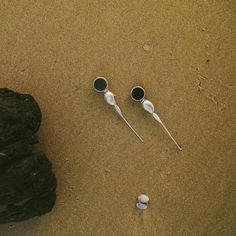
pixel 101 85
pixel 138 95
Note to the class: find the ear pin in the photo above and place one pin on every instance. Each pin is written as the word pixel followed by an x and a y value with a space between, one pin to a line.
pixel 138 94
pixel 100 85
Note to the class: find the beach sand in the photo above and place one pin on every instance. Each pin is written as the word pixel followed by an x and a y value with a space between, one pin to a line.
pixel 183 53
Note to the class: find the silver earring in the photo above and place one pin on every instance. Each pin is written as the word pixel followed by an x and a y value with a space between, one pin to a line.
pixel 138 94
pixel 100 85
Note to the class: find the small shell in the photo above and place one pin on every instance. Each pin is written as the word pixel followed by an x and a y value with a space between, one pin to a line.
pixel 143 198
pixel 141 206
pixel 148 106
pixel 110 98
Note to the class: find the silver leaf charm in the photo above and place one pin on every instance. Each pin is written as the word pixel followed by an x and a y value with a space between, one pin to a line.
pixel 110 98
pixel 148 106
pixel 156 117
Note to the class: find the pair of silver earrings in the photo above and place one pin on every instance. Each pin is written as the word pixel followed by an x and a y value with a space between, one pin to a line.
pixel 137 93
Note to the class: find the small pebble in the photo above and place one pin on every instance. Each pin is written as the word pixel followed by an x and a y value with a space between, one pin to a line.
pixel 107 170
pixel 141 206
pixel 146 47
pixel 142 202
pixel 143 198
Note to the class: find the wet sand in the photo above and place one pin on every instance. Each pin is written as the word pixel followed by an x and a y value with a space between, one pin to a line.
pixel 183 53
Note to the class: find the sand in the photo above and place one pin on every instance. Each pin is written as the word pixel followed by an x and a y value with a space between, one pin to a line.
pixel 183 53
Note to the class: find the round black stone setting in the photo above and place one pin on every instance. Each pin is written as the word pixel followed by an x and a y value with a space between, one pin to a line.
pixel 100 84
pixel 138 93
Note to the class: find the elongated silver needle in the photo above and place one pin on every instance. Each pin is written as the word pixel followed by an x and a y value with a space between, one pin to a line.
pixel 110 99
pixel 157 118
pixel 148 106
pixel 118 110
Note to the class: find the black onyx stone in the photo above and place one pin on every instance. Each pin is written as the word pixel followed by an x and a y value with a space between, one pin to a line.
pixel 138 93
pixel 100 84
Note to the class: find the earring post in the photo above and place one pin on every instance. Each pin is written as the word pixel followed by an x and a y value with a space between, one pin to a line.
pixel 157 118
pixel 118 110
pixel 110 99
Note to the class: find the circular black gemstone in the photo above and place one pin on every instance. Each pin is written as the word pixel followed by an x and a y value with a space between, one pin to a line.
pixel 138 93
pixel 100 84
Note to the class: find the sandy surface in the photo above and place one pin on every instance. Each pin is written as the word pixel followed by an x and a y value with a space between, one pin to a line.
pixel 183 53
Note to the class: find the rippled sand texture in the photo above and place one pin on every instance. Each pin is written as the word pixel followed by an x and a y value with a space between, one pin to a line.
pixel 183 53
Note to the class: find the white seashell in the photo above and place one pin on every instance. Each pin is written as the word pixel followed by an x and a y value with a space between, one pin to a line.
pixel 141 206
pixel 148 106
pixel 110 98
pixel 143 198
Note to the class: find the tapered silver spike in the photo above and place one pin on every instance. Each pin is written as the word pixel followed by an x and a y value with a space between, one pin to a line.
pixel 157 118
pixel 121 115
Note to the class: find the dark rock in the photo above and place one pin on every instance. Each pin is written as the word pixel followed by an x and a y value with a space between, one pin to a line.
pixel 17 149
pixel 16 108
pixel 27 188
pixel 14 150
pixel 12 133
pixel 15 141
pixel 27 183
